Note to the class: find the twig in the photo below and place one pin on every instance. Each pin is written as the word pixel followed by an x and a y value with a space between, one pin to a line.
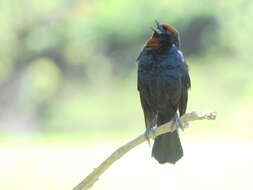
pixel 165 128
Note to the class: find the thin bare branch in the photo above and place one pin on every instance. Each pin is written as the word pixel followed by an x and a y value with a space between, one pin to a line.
pixel 117 154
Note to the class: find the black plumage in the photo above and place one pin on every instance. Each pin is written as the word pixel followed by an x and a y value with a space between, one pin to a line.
pixel 163 83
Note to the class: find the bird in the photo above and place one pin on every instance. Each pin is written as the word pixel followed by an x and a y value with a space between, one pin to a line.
pixel 163 82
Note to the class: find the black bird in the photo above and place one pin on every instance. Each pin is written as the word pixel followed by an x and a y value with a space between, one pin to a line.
pixel 163 83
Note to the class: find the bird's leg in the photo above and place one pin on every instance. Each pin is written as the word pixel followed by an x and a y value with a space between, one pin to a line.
pixel 177 123
pixel 150 131
pixel 147 134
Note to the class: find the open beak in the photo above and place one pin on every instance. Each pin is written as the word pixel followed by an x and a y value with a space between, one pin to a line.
pixel 159 29
pixel 157 24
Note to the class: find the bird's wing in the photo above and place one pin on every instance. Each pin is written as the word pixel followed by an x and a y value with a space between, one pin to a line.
pixel 149 113
pixel 186 84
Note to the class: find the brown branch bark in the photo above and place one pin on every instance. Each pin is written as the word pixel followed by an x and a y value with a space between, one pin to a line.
pixel 117 154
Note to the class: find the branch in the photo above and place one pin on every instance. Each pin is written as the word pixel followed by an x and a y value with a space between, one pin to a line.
pixel 165 128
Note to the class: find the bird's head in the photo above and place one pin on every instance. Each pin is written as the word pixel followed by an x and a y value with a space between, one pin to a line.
pixel 164 35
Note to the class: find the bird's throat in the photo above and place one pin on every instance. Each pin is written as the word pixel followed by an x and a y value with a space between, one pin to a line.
pixel 157 44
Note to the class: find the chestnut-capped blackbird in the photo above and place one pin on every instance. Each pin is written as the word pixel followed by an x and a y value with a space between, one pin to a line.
pixel 163 83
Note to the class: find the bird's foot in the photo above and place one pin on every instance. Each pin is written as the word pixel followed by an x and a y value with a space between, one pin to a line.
pixel 177 123
pixel 149 134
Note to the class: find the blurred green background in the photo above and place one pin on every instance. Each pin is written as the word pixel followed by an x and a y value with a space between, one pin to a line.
pixel 68 93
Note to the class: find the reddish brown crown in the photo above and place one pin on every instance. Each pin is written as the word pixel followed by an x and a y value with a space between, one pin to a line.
pixel 170 28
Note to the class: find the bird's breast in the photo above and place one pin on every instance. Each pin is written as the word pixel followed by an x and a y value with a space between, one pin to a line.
pixel 160 88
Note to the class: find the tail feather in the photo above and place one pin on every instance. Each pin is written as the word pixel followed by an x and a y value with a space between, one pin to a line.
pixel 167 148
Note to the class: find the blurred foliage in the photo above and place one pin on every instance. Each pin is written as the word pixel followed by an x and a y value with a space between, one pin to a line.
pixel 70 65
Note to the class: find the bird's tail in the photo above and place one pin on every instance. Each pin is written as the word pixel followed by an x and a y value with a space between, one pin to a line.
pixel 167 148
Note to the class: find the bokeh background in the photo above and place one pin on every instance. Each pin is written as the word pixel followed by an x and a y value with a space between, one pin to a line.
pixel 68 93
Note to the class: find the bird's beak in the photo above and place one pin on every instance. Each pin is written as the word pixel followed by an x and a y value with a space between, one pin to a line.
pixel 157 24
pixel 159 29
